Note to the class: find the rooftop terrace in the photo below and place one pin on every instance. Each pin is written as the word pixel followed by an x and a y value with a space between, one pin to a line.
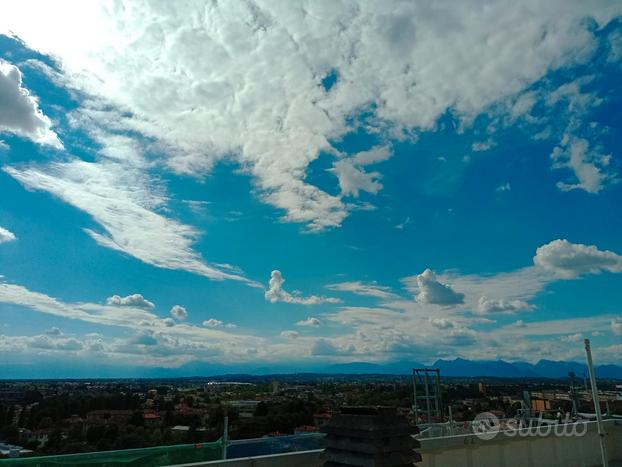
pixel 524 448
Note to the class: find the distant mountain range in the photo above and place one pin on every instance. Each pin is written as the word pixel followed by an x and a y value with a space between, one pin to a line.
pixel 488 368
pixel 453 368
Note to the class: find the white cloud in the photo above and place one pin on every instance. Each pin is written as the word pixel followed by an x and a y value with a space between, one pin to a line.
pixel 127 316
pixel 442 323
pixel 351 173
pixel 134 300
pixel 176 343
pixel 485 145
pixel 179 312
pixel 587 164
pixel 124 202
pixel 52 342
pixel 616 326
pixel 434 292
pixel 521 284
pixel 290 334
pixel 309 322
pixel 89 312
pixel 19 110
pixel 572 338
pixel 275 293
pixel 216 323
pixel 6 235
pixel 243 80
pixel 569 260
pixel 501 305
pixel 362 288
pixel 212 323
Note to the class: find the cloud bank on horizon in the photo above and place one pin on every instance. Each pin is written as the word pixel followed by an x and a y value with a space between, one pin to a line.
pixel 399 162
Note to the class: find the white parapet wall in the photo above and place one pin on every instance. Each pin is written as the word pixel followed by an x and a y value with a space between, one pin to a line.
pixel 505 450
pixel 517 449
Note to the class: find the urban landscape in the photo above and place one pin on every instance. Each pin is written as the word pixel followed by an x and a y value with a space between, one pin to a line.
pixel 274 414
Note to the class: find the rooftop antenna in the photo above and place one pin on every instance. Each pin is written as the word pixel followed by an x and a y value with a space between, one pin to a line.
pixel 596 400
pixel 574 396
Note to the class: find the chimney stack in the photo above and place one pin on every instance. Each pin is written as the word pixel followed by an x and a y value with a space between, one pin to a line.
pixel 370 437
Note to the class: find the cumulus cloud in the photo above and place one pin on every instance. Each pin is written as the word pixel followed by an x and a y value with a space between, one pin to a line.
pixel 6 235
pixel 212 323
pixel 19 110
pixel 309 322
pixel 179 312
pixel 362 288
pixel 243 80
pixel 434 292
pixel 569 260
pixel 501 305
pixel 124 202
pixel 275 293
pixel 135 300
pixel 616 326
pixel 54 331
pixel 351 173
pixel 521 284
pixel 290 334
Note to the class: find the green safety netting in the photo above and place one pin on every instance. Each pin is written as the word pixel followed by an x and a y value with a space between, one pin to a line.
pixel 145 457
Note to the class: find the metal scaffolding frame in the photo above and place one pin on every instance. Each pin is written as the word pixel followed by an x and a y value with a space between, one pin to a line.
pixel 427 394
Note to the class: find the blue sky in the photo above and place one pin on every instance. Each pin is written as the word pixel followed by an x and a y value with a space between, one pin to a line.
pixel 260 184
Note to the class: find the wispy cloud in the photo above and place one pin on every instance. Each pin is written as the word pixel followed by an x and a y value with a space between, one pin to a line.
pixel 362 288
pixel 124 203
